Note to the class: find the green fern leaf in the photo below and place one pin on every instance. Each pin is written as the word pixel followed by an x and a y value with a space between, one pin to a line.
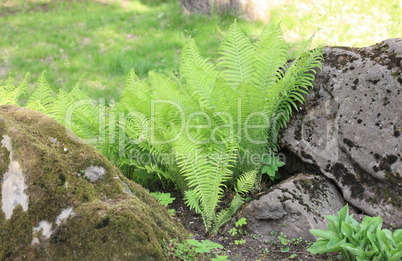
pixel 272 53
pixel 294 83
pixel 226 214
pixel 42 97
pixel 10 93
pixel 200 73
pixel 237 57
pixel 136 96
pixel 246 181
pixel 192 201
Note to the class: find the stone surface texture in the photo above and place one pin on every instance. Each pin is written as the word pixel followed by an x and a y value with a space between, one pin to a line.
pixel 293 207
pixel 349 129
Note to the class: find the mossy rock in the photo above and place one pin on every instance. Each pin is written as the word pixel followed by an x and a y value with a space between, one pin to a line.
pixel 62 200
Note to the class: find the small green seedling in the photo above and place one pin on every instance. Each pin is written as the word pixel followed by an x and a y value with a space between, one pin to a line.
pixel 220 258
pixel 240 242
pixel 165 199
pixel 292 256
pixel 237 230
pixel 176 250
pixel 284 242
pixel 203 246
pixel 271 165
pixel 241 222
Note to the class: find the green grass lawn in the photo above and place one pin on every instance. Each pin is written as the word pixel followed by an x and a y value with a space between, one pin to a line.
pixel 100 41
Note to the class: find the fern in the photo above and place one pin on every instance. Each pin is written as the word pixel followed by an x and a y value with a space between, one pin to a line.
pixel 206 175
pixel 272 52
pixel 214 103
pixel 243 185
pixel 42 97
pixel 237 57
pixel 245 182
pixel 196 130
pixel 10 93
pixel 200 73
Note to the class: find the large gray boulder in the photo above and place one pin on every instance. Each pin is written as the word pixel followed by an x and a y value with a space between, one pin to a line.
pixel 61 200
pixel 349 128
pixel 293 207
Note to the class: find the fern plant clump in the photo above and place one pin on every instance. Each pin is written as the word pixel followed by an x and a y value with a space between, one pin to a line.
pixel 213 126
pixel 217 121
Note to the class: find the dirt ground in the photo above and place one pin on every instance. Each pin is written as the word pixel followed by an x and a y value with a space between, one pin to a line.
pixel 246 247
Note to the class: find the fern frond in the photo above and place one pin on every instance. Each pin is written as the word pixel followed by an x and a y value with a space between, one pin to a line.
pixel 200 73
pixel 10 93
pixel 60 106
pixel 226 214
pixel 42 97
pixel 192 201
pixel 295 82
pixel 132 78
pixel 136 96
pixel 136 126
pixel 237 57
pixel 246 181
pixel 205 171
pixel 272 52
pixel 170 102
pixel 251 99
pixel 223 97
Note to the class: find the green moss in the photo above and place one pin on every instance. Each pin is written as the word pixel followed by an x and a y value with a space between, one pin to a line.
pixel 388 194
pixel 108 235
pixel 15 234
pixel 107 224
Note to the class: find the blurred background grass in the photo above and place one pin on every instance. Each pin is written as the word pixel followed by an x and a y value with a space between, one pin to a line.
pixel 99 41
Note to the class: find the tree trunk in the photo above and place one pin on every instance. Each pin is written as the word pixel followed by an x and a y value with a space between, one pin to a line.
pixel 248 9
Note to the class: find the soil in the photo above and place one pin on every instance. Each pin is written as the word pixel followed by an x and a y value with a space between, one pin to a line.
pixel 245 247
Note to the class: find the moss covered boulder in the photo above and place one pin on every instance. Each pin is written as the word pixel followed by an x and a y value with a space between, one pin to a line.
pixel 62 200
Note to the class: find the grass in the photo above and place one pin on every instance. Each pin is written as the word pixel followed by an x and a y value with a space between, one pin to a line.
pixel 100 41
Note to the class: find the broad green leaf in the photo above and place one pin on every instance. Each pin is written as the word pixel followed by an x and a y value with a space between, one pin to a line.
pixel 396 254
pixel 319 247
pixel 397 235
pixel 343 215
pixel 325 234
pixel 348 231
pixel 373 240
pixel 335 243
pixel 352 249
pixel 382 240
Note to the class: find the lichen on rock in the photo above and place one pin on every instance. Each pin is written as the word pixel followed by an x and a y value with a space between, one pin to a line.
pixel 12 184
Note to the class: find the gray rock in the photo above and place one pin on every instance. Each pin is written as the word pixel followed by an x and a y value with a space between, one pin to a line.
pixel 350 126
pixel 293 207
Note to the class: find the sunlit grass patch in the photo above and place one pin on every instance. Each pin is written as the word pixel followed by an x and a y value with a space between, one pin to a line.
pixel 104 39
